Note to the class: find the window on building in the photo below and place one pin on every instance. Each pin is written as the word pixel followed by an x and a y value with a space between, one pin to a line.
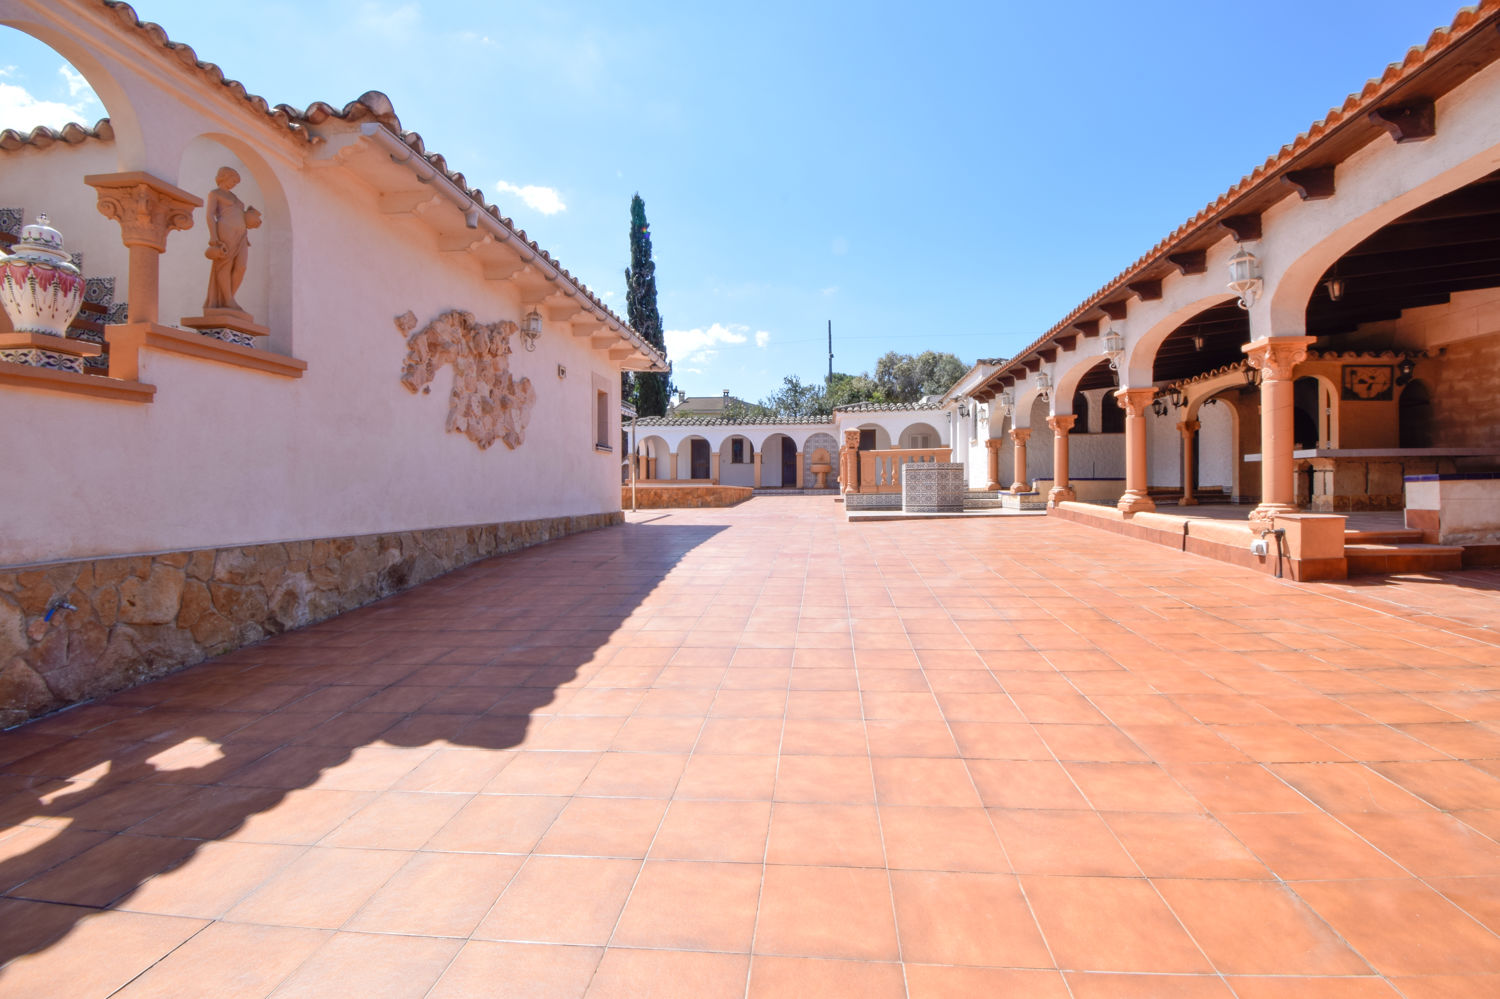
pixel 921 440
pixel 601 421
pixel 737 451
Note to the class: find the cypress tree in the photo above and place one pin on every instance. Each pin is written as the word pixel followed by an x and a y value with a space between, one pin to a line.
pixel 648 390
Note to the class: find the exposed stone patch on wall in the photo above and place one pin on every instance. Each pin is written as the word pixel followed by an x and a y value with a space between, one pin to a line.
pixel 1465 384
pixel 487 403
pixel 137 617
pixel 659 497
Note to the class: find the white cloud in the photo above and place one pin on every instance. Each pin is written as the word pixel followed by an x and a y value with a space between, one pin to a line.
pixel 23 111
pixel 762 338
pixel 542 199
pixel 76 83
pixel 697 346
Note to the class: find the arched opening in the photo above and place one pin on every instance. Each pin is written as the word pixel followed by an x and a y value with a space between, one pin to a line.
pixel 773 468
pixel 1415 419
pixel 736 461
pixel 919 435
pixel 1211 339
pixel 655 458
pixel 53 80
pixel 788 463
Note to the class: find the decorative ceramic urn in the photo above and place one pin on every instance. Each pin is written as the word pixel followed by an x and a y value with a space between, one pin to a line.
pixel 40 288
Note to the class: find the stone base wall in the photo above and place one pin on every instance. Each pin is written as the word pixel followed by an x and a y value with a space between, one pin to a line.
pixel 661 496
pixel 137 617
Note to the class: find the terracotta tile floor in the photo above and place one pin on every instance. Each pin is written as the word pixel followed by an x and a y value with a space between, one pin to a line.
pixel 764 752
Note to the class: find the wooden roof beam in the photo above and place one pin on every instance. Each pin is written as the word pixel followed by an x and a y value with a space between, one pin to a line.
pixel 1313 184
pixel 1242 227
pixel 1032 364
pixel 1189 261
pixel 1146 291
pixel 1408 122
pixel 1114 310
pixel 1048 354
pixel 1087 328
pixel 1066 341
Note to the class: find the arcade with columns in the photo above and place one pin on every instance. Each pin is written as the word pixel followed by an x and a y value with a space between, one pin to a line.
pixel 1320 344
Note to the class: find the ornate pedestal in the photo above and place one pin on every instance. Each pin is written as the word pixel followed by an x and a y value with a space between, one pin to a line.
pixel 228 325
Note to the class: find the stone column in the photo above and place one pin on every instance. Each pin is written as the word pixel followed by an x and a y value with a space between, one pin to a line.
pixel 756 459
pixel 1188 428
pixel 650 467
pixel 1062 491
pixel 713 467
pixel 993 445
pixel 849 476
pixel 672 462
pixel 1134 401
pixel 1020 484
pixel 799 469
pixel 147 209
pixel 1276 357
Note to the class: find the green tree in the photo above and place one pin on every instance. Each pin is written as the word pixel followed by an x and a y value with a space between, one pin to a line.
pixel 796 400
pixel 649 391
pixel 906 378
pixel 846 390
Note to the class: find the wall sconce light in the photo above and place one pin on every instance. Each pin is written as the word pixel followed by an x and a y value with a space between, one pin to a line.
pixel 1244 277
pixel 531 328
pixel 1404 370
pixel 1007 401
pixel 1198 341
pixel 1114 347
pixel 963 409
pixel 1175 397
pixel 1252 375
pixel 562 371
pixel 1044 383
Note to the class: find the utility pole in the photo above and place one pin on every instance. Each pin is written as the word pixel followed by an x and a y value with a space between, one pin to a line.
pixel 830 353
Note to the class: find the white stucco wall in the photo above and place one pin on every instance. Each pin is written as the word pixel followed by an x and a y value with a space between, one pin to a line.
pixel 228 456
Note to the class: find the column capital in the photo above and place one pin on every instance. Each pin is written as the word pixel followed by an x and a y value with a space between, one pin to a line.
pixel 147 207
pixel 1135 400
pixel 851 438
pixel 1062 424
pixel 1021 435
pixel 995 443
pixel 1275 356
pixel 1188 428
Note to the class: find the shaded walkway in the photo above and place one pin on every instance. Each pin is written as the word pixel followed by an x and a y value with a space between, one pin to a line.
pixel 761 750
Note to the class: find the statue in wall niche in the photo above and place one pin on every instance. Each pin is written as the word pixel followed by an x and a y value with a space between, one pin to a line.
pixel 229 223
pixel 487 403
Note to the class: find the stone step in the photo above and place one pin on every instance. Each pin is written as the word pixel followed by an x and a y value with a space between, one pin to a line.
pixel 1379 559
pixel 1394 536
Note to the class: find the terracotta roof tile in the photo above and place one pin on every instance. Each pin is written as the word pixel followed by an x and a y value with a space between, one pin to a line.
pixel 887 407
pixel 719 421
pixel 41 137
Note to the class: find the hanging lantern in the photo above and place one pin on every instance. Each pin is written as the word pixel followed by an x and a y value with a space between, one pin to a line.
pixel 1044 383
pixel 1244 277
pixel 1007 401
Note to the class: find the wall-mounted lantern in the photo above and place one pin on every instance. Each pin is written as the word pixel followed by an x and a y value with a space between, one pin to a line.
pixel 1114 347
pixel 1044 383
pixel 1244 277
pixel 531 328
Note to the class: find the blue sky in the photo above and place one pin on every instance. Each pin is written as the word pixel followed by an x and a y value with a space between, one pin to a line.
pixel 928 176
